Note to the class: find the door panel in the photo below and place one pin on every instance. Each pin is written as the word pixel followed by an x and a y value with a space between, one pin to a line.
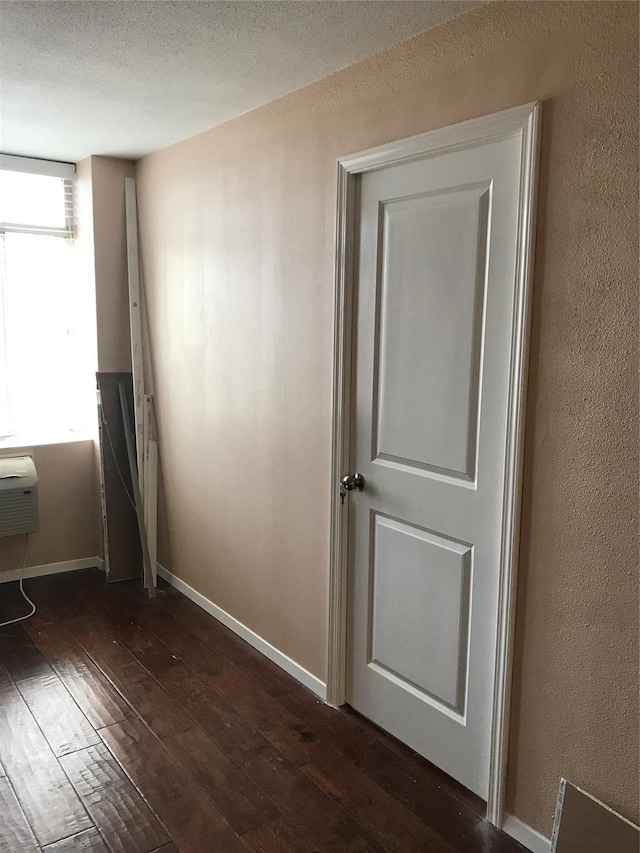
pixel 435 286
pixel 432 262
pixel 411 564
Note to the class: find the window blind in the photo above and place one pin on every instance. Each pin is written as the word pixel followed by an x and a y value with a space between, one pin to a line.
pixel 35 204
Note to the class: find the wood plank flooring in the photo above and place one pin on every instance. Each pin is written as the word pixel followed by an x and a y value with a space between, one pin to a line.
pixel 136 726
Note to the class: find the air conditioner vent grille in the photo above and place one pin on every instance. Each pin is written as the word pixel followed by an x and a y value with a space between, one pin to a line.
pixel 18 496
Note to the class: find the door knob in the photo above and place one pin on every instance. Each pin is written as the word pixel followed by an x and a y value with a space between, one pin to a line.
pixel 352 483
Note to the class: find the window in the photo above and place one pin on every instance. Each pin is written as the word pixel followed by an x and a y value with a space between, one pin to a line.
pixel 47 338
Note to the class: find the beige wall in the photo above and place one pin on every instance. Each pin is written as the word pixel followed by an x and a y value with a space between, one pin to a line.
pixel 238 241
pixel 70 525
pixel 110 246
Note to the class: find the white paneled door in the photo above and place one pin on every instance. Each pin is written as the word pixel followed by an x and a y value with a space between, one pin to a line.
pixel 435 272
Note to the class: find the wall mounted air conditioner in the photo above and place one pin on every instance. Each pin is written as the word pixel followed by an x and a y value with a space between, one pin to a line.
pixel 18 496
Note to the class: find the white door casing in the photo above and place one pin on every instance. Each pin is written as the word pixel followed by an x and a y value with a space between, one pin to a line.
pixel 434 358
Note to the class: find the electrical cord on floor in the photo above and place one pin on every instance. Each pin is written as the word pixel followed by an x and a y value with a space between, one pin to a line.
pixel 24 594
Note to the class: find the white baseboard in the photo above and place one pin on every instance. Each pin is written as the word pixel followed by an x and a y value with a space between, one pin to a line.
pixel 52 569
pixel 294 669
pixel 531 839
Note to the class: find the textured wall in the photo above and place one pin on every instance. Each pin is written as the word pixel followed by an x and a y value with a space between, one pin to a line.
pixel 110 247
pixel 238 241
pixel 70 524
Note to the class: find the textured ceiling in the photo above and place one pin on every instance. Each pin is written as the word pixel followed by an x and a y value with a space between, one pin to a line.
pixel 128 78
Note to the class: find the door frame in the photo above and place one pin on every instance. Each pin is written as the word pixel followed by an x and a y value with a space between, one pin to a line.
pixel 523 121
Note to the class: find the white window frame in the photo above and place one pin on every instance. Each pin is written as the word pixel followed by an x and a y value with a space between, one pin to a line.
pixel 66 171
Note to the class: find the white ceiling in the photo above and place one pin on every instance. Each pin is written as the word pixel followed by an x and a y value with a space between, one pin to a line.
pixel 127 78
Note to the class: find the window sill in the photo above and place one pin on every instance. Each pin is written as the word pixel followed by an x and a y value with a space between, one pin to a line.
pixel 20 442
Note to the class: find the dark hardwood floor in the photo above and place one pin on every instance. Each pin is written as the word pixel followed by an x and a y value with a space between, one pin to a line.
pixel 130 725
